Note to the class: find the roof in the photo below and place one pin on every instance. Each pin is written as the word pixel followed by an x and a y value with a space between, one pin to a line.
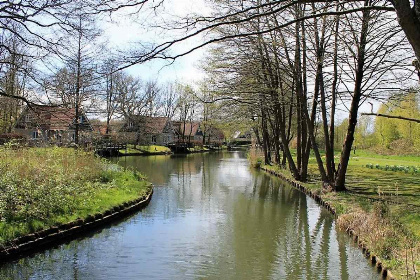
pixel 216 132
pixel 191 128
pixel 242 135
pixel 150 125
pixel 99 128
pixel 50 117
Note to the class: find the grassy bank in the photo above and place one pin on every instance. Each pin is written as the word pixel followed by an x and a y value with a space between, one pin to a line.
pixel 44 187
pixel 382 205
pixel 198 149
pixel 146 150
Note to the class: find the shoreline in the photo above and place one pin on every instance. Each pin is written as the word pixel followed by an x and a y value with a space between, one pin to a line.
pixel 168 153
pixel 56 235
pixel 375 260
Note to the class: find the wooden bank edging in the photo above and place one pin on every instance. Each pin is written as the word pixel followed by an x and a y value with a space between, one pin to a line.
pixel 44 239
pixel 385 273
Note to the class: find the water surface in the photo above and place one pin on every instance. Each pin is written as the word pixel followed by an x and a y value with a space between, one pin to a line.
pixel 211 217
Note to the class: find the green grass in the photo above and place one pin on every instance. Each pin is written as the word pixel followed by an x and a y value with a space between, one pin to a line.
pixel 154 149
pixel 130 151
pixel 145 149
pixel 44 187
pixel 198 149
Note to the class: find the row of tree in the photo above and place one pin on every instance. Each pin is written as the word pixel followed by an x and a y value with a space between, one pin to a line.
pixel 293 80
pixel 288 66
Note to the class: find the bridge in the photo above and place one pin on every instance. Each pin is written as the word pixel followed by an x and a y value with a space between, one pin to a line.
pixel 109 149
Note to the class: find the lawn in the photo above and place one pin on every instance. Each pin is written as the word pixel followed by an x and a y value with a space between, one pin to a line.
pixel 145 149
pixel 44 187
pixel 152 149
pixel 198 149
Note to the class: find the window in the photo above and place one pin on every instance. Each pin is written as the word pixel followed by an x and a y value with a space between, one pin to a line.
pixel 35 134
pixel 81 119
pixel 154 139
pixel 130 124
pixel 27 118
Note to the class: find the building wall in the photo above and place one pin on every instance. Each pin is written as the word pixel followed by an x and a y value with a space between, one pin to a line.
pixel 53 137
pixel 158 139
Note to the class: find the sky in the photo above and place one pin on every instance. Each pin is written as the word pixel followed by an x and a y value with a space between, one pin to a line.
pixel 126 32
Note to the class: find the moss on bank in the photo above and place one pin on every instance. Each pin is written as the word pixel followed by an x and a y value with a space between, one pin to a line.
pixel 381 207
pixel 44 187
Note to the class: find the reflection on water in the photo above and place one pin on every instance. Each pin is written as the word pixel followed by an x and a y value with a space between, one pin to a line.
pixel 211 217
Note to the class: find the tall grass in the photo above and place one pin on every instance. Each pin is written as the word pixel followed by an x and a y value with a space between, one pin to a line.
pixel 40 187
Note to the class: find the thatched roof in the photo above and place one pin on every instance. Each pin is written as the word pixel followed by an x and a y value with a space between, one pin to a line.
pixel 191 128
pixel 50 118
pixel 147 125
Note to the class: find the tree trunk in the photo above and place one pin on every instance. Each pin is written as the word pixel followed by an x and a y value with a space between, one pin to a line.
pixel 78 84
pixel 409 20
pixel 340 179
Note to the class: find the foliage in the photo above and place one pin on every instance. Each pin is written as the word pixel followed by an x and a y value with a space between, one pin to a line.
pixel 41 187
pixel 399 135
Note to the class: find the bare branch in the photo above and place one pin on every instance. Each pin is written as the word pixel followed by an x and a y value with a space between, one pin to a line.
pixel 391 117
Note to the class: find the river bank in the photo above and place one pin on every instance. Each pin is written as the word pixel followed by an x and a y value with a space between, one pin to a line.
pixel 57 189
pixel 212 217
pixel 148 150
pixel 384 224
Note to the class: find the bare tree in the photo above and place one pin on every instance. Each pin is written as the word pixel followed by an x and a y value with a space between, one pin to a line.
pixel 40 27
pixel 169 100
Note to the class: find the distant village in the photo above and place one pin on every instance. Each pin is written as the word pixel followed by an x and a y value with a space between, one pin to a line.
pixel 55 125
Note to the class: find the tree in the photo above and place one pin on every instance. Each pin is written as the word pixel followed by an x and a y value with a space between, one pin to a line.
pixel 170 99
pixel 187 103
pixel 40 27
pixel 392 128
pixel 385 130
pixel 14 71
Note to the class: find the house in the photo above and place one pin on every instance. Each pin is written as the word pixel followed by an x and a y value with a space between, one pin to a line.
pixel 102 133
pixel 189 132
pixel 147 130
pixel 214 136
pixel 52 124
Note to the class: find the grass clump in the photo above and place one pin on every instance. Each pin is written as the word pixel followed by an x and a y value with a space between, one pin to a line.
pixel 43 187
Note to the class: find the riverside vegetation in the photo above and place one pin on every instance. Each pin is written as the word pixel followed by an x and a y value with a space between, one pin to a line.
pixel 44 187
pixel 381 207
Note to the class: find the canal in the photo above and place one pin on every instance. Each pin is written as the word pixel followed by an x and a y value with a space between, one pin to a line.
pixel 211 217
